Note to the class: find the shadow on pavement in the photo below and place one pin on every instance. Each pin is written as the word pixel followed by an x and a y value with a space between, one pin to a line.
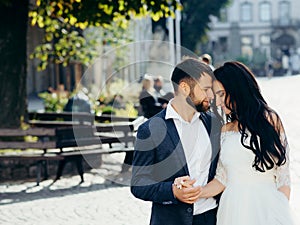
pixel 28 190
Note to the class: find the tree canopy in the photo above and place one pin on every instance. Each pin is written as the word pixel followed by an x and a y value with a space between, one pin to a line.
pixel 195 19
pixel 63 23
pixel 65 20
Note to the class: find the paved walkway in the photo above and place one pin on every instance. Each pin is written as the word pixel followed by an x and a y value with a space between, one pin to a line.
pixel 104 198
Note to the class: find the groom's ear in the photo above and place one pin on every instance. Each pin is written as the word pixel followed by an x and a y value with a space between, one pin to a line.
pixel 184 88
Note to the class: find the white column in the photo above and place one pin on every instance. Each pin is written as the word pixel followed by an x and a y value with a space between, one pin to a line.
pixel 178 39
pixel 171 40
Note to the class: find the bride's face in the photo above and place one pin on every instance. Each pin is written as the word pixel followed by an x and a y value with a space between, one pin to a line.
pixel 220 94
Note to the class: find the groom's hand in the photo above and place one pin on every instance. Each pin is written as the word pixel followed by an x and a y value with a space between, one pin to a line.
pixel 184 182
pixel 184 190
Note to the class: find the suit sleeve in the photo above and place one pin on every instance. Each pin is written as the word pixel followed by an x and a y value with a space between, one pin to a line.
pixel 144 182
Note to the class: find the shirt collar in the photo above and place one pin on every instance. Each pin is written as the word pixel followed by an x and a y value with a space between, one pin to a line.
pixel 172 114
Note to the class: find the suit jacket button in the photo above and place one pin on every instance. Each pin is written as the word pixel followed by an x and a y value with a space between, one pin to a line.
pixel 189 210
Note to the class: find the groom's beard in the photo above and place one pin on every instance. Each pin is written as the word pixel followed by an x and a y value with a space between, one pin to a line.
pixel 198 107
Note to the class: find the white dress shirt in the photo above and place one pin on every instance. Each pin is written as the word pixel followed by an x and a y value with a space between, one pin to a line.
pixel 197 150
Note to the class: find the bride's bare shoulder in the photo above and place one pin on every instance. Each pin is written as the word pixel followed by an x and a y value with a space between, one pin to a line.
pixel 230 126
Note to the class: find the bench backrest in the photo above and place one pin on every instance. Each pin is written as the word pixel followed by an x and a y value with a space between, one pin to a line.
pixel 67 129
pixel 66 136
pixel 24 139
pixel 81 117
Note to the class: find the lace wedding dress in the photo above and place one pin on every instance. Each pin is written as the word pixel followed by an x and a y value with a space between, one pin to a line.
pixel 250 197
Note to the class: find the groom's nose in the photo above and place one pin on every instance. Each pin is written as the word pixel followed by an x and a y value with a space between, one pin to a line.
pixel 210 94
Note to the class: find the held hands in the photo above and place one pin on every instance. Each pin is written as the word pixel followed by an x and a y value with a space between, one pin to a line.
pixel 184 190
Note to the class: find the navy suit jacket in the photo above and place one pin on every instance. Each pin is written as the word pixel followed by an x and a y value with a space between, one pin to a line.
pixel 158 159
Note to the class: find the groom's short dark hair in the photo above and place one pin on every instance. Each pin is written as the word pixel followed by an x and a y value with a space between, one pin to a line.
pixel 190 69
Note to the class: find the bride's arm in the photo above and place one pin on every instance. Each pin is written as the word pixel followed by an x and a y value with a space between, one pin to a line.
pixel 217 185
pixel 282 176
pixel 286 190
pixel 213 188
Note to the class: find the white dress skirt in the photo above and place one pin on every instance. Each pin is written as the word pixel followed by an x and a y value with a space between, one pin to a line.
pixel 250 197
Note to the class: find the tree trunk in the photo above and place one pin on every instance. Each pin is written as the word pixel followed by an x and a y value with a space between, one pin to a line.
pixel 13 30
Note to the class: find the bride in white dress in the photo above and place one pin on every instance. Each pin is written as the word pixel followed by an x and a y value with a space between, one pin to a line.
pixel 253 168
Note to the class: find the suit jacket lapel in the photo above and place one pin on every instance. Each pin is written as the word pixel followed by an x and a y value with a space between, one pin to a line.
pixel 207 123
pixel 174 136
pixel 214 140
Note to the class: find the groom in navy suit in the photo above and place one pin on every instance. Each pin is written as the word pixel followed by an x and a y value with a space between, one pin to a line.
pixel 176 151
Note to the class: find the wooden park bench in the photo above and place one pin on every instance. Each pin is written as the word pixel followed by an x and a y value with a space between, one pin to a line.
pixel 78 117
pixel 16 139
pixel 57 139
pixel 52 119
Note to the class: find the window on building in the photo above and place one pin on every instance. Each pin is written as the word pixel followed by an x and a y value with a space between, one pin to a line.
pixel 246 12
pixel 265 42
pixel 223 44
pixel 247 46
pixel 265 39
pixel 223 15
pixel 284 12
pixel 265 11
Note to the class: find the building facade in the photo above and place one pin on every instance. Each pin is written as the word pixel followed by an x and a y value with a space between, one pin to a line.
pixel 256 30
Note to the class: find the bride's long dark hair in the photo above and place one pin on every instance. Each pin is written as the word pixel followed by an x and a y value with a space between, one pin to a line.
pixel 254 116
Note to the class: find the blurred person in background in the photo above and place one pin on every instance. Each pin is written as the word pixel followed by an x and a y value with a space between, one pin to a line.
pixel 148 99
pixel 158 86
pixel 206 58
